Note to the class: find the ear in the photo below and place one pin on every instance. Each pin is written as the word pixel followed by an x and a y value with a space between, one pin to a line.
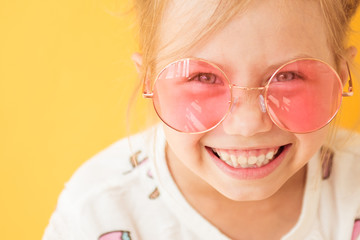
pixel 137 59
pixel 350 54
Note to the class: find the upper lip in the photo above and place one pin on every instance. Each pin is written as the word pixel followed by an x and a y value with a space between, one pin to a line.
pixel 249 148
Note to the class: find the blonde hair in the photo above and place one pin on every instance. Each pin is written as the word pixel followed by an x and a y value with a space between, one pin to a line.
pixel 337 15
pixel 151 13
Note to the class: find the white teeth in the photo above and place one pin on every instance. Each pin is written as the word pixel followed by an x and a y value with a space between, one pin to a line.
pixel 261 158
pixel 234 160
pixel 269 155
pixel 247 162
pixel 224 156
pixel 242 160
pixel 252 160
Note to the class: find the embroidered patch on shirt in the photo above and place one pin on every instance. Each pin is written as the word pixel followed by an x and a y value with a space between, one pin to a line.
pixel 155 194
pixel 327 161
pixel 135 162
pixel 116 235
pixel 356 229
pixel 134 159
pixel 149 174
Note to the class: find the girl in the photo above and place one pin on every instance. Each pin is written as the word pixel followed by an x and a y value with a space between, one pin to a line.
pixel 245 91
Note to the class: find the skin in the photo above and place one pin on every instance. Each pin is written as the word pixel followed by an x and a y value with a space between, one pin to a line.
pixel 248 49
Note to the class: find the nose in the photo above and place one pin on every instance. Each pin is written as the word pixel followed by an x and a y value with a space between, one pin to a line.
pixel 247 116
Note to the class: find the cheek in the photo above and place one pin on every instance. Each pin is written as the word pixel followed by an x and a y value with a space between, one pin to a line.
pixel 308 144
pixel 186 147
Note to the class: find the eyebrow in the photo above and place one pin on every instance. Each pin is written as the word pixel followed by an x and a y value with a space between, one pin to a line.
pixel 266 71
pixel 275 66
pixel 270 70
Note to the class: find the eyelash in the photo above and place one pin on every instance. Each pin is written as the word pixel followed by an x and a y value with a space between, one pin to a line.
pixel 197 77
pixel 295 75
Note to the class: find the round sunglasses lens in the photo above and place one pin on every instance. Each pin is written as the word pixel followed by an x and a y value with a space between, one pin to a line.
pixel 304 95
pixel 191 95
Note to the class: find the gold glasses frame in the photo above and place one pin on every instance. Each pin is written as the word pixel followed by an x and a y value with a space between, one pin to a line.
pixel 149 93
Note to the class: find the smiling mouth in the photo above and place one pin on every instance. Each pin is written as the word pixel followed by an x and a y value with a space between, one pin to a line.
pixel 248 159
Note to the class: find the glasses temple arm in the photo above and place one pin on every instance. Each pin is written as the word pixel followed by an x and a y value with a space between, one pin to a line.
pixel 350 92
pixel 146 90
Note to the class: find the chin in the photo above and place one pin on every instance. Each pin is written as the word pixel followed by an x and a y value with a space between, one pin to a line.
pixel 247 193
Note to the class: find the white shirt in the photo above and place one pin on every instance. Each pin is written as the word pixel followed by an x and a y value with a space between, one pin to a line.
pixel 108 198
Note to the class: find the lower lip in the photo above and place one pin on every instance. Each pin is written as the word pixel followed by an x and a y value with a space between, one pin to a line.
pixel 250 173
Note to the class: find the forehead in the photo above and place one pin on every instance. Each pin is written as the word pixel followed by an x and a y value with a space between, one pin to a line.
pixel 272 30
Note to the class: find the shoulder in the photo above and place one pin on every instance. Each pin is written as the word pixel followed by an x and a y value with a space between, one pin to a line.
pixel 108 179
pixel 106 184
pixel 347 141
pixel 338 191
pixel 110 165
pixel 347 156
pixel 342 184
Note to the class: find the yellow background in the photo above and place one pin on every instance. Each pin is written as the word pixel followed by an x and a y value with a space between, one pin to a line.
pixel 65 80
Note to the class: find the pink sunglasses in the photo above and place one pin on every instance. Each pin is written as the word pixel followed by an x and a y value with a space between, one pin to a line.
pixel 194 96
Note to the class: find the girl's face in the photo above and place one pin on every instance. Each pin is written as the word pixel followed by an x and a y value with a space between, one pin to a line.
pixel 267 34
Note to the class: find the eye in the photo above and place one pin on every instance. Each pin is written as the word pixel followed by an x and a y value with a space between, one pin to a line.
pixel 207 78
pixel 286 76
